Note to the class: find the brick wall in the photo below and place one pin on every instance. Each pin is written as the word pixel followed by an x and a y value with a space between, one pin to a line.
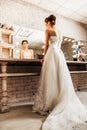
pixel 28 15
pixel 0 88
pixel 23 89
pixel 79 80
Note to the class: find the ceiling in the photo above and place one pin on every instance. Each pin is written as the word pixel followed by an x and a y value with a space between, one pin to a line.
pixel 73 9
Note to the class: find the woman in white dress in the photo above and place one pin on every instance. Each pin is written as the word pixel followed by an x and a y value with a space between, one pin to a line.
pixel 26 53
pixel 56 91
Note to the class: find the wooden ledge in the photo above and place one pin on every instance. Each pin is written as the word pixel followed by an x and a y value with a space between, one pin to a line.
pixel 78 72
pixel 18 74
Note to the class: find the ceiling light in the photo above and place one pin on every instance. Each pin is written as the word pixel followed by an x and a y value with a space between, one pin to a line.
pixel 69 40
pixel 74 46
pixel 65 39
pixel 73 40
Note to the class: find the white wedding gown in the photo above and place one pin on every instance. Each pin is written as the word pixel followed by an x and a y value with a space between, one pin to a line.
pixel 56 92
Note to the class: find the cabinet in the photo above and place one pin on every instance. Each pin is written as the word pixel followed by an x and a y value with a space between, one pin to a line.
pixel 6 43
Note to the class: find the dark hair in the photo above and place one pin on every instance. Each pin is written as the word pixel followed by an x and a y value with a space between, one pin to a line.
pixel 51 19
pixel 24 41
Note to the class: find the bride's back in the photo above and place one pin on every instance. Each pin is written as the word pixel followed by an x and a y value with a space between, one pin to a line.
pixel 55 36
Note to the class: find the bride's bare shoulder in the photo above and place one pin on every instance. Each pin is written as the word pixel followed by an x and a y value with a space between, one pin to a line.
pixel 47 31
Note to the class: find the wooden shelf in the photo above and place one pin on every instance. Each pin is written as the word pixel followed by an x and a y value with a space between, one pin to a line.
pixel 6 31
pixel 6 43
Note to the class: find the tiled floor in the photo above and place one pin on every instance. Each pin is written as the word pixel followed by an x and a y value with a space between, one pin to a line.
pixel 22 118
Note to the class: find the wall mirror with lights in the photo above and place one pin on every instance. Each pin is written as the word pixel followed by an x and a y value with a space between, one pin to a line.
pixel 74 50
pixel 36 38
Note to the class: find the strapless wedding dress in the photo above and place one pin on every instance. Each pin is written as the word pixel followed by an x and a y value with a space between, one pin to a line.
pixel 56 92
pixel 27 54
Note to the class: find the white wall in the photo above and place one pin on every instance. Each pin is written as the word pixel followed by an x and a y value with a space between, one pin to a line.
pixel 21 13
pixel 72 28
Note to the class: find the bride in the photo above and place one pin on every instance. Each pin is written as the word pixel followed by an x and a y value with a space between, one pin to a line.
pixel 56 91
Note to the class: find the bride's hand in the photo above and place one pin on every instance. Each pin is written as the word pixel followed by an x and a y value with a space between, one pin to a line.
pixel 42 60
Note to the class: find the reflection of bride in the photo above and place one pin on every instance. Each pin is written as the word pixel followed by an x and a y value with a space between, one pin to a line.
pixel 26 53
pixel 56 92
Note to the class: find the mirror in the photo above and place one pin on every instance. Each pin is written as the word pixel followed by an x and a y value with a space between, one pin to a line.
pixel 74 50
pixel 36 42
pixel 35 39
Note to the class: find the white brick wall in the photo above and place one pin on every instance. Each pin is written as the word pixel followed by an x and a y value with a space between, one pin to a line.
pixel 21 13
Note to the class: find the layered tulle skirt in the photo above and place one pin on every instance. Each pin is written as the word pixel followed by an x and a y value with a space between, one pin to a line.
pixel 56 94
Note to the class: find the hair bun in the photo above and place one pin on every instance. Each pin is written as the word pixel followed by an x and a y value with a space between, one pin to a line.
pixel 52 19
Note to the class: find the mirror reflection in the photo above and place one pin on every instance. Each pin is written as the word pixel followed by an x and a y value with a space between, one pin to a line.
pixel 11 43
pixel 34 37
pixel 74 50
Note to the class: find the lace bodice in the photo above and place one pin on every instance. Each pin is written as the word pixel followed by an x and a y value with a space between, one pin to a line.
pixel 55 40
pixel 28 54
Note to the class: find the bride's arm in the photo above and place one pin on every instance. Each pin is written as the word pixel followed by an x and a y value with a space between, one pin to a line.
pixel 60 39
pixel 46 41
pixel 21 54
